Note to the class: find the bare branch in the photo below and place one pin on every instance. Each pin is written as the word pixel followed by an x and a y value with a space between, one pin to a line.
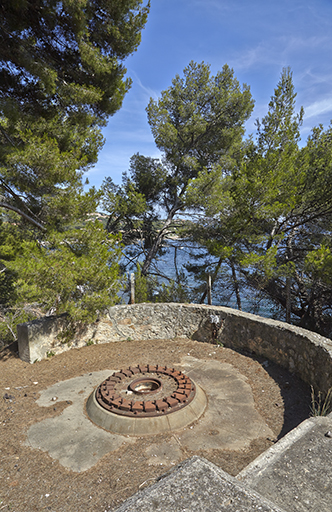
pixel 23 214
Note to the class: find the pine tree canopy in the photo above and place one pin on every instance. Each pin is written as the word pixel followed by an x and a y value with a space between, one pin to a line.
pixel 61 76
pixel 67 55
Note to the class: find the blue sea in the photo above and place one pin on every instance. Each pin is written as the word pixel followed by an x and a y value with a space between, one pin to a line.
pixel 222 291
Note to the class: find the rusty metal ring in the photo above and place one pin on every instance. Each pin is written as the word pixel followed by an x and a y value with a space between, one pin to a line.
pixel 115 392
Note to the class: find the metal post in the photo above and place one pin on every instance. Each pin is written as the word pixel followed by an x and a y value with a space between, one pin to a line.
pixel 288 300
pixel 132 288
pixel 209 294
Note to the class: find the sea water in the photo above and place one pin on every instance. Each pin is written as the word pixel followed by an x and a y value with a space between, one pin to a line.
pixel 223 293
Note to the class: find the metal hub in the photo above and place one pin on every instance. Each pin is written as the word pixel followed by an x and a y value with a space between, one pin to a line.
pixel 145 391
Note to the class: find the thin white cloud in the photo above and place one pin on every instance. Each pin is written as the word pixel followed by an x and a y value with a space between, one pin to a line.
pixel 219 5
pixel 147 90
pixel 295 43
pixel 258 56
pixel 251 57
pixel 277 51
pixel 318 107
pixel 312 77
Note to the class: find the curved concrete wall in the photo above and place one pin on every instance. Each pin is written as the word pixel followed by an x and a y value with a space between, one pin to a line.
pixel 306 353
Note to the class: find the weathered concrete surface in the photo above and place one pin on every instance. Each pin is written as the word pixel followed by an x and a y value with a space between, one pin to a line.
pixel 301 351
pixel 296 472
pixel 229 422
pixel 197 485
pixel 72 438
pixel 36 338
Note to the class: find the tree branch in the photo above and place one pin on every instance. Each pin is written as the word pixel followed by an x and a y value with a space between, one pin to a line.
pixel 23 214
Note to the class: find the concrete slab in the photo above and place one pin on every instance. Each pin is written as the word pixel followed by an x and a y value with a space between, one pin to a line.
pixel 296 472
pixel 230 420
pixel 200 486
pixel 71 438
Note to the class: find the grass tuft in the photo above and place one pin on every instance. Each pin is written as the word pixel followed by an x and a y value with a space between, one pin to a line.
pixel 320 405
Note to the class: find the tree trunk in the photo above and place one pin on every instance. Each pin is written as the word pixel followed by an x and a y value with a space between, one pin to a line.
pixel 158 241
pixel 236 286
pixel 213 278
pixel 288 300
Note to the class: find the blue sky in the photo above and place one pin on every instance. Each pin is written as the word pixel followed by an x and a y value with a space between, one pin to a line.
pixel 257 39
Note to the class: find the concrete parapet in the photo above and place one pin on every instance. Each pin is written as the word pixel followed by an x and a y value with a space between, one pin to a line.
pixel 36 338
pixel 296 472
pixel 306 353
pixel 200 486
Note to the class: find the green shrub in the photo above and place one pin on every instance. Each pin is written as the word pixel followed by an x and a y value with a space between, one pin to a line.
pixel 74 272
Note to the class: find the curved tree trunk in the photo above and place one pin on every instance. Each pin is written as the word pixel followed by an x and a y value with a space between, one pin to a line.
pixel 157 243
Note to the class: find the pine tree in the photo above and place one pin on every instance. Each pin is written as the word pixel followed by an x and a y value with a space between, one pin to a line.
pixel 61 77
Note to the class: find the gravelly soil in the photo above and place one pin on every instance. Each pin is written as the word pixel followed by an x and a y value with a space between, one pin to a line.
pixel 31 481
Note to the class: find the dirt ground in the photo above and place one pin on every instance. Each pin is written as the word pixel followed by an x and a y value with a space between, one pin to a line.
pixel 31 481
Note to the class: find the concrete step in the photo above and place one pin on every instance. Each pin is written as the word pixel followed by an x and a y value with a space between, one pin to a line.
pixel 296 473
pixel 200 486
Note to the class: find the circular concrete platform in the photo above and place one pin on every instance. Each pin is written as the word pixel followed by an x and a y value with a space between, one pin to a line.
pixel 222 417
pixel 126 425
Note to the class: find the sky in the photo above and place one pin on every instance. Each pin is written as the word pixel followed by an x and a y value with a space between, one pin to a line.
pixel 257 39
